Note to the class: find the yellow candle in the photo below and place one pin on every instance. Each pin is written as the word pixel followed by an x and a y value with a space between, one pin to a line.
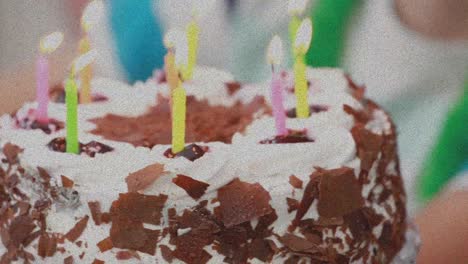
pixel 178 119
pixel 171 71
pixel 301 91
pixel 295 9
pixel 85 74
pixel 293 26
pixel 301 46
pixel 193 31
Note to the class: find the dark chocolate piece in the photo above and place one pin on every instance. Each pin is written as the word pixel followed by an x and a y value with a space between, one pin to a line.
pixel 191 152
pixel 91 149
pixel 51 126
pixel 314 109
pixel 205 122
pixel 293 136
pixel 194 188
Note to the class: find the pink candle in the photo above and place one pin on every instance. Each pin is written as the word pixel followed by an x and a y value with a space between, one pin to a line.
pixel 277 104
pixel 42 92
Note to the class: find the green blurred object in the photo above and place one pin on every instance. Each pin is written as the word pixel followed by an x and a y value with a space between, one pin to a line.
pixel 330 20
pixel 449 153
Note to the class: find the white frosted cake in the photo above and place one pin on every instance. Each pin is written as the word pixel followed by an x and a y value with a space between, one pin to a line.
pixel 328 192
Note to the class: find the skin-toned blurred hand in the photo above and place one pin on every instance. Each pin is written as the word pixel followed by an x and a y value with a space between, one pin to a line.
pixel 443 226
pixel 443 19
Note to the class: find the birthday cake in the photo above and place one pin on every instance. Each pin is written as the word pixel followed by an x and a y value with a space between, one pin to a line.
pixel 329 191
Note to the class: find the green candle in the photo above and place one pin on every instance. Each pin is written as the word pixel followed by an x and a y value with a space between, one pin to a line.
pixel 71 100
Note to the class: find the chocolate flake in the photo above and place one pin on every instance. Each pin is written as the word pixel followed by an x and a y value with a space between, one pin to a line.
pixel 143 178
pixel 166 253
pixel 139 207
pixel 128 234
pixel 30 123
pixel 233 87
pixel 91 149
pixel 340 193
pixel 67 182
pixel 293 136
pixel 368 146
pixel 77 230
pixel 194 188
pixel 310 194
pixel 68 260
pixel 98 261
pixel 293 204
pixel 205 123
pixel 11 152
pixel 96 213
pixel 126 255
pixel 20 229
pixel 295 182
pixel 47 245
pixel 313 109
pixel 105 244
pixel 299 245
pixel 241 202
pixel 191 152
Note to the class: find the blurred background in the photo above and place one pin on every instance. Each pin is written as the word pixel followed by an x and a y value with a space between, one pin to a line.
pixel 412 55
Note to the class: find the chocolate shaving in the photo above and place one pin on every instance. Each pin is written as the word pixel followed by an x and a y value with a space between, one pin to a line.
pixel 194 188
pixel 313 109
pixel 45 176
pixel 293 136
pixel 261 249
pixel 105 244
pixel 205 123
pixel 233 87
pixel 47 245
pixel 368 146
pixel 77 230
pixel 98 261
pixel 96 213
pixel 295 182
pixel 340 193
pixel 166 253
pixel 358 91
pixel 298 245
pixel 19 230
pixel 68 260
pixel 191 152
pixel 293 204
pixel 67 182
pixel 143 178
pixel 139 207
pixel 241 202
pixel 126 255
pixel 49 127
pixel 11 153
pixel 310 194
pixel 128 234
pixel 91 149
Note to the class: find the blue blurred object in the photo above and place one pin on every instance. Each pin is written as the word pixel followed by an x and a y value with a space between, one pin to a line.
pixel 138 36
